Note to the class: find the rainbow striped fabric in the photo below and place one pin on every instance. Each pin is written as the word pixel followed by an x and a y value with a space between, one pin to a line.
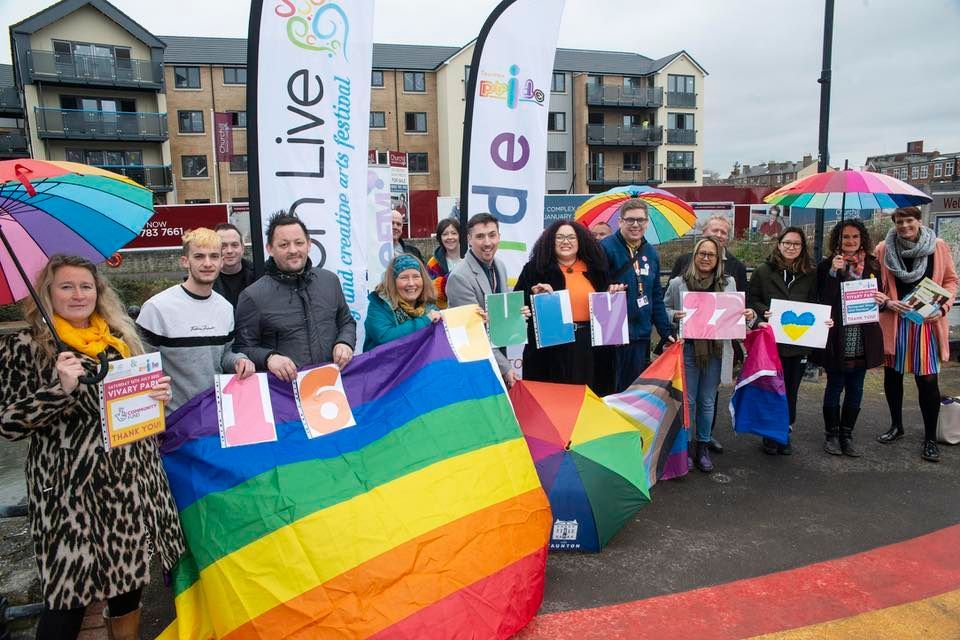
pixel 425 520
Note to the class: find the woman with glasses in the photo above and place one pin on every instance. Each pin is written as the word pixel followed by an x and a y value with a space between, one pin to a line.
pixel 910 253
pixel 703 359
pixel 566 256
pixel 788 274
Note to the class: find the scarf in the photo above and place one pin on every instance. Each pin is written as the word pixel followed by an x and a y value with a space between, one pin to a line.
pixel 919 251
pixel 855 264
pixel 92 340
pixel 271 269
pixel 704 350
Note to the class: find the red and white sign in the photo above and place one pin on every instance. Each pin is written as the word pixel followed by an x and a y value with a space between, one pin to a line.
pixel 223 136
pixel 170 222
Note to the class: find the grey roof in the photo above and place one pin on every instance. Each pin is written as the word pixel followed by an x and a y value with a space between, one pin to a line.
pixel 6 76
pixel 64 8
pixel 415 57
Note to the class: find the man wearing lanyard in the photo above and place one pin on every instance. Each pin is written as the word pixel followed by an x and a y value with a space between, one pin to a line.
pixel 634 262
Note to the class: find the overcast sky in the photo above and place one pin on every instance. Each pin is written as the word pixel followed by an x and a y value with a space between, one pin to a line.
pixel 896 64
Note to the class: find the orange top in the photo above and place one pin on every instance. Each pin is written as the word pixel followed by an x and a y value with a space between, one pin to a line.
pixel 580 290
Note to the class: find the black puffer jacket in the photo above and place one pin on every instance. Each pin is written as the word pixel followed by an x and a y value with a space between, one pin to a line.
pixel 301 316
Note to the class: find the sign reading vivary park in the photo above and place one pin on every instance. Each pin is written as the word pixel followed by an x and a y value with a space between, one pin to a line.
pixel 308 102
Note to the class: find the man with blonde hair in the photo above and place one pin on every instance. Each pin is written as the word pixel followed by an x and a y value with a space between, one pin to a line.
pixel 191 325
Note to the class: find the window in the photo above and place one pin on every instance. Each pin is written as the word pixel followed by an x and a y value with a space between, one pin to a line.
pixel 62 51
pixel 106 157
pixel 948 168
pixel 631 160
pixel 186 77
pixel 238 163
pixel 194 166
pixel 634 120
pixel 417 163
pixel 378 119
pixel 376 78
pixel 559 83
pixel 914 173
pixel 925 171
pixel 110 105
pixel 414 81
pixel 594 80
pixel 633 82
pixel 680 159
pixel 234 75
pixel 190 121
pixel 556 121
pixel 680 84
pixel 416 121
pixel 680 121
pixel 197 201
pixel 595 117
pixel 903 173
pixel 937 170
pixel 238 119
pixel 556 160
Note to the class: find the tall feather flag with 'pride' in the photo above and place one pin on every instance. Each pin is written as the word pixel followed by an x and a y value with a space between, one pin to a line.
pixel 655 404
pixel 759 401
pixel 425 520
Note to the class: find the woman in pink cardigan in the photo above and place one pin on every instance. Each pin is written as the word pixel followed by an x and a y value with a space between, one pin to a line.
pixel 910 253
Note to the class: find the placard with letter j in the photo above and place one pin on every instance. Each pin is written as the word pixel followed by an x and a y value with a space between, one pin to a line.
pixel 552 318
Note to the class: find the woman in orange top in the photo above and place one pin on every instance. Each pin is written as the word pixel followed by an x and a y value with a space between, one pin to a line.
pixel 566 256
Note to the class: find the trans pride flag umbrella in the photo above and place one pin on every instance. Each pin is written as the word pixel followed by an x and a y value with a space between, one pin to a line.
pixel 589 459
pixel 670 217
pixel 848 189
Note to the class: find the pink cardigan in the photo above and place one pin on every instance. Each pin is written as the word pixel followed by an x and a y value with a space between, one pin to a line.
pixel 944 274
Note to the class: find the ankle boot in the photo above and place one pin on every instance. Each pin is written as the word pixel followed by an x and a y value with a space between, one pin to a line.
pixel 831 419
pixel 930 451
pixel 704 463
pixel 894 433
pixel 125 627
pixel 848 419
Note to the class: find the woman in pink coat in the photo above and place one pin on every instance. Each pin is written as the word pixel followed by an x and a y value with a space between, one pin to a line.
pixel 910 253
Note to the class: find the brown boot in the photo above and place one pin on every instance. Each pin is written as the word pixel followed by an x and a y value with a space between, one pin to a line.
pixel 125 627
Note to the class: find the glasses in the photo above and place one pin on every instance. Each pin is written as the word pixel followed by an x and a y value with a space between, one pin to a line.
pixel 634 222
pixel 703 255
pixel 570 239
pixel 791 245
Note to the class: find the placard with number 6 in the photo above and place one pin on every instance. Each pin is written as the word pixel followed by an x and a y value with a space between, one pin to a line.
pixel 713 316
pixel 322 402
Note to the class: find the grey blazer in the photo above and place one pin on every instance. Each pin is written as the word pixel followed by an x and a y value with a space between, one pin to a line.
pixel 468 284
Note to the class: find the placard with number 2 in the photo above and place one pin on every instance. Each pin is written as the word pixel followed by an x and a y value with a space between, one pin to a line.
pixel 713 316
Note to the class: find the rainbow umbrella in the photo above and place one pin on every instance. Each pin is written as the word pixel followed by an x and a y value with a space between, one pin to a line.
pixel 62 207
pixel 670 217
pixel 589 459
pixel 848 189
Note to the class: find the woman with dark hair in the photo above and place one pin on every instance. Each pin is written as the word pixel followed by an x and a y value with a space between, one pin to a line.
pixel 910 253
pixel 788 274
pixel 402 303
pixel 97 516
pixel 445 257
pixel 850 350
pixel 566 256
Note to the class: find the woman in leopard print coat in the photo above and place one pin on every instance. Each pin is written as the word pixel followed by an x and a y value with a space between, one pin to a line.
pixel 96 516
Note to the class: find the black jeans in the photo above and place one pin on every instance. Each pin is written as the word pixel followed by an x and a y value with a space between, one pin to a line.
pixel 928 392
pixel 793 369
pixel 844 380
pixel 64 624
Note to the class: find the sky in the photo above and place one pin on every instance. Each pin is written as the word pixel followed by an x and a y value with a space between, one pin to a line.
pixel 896 64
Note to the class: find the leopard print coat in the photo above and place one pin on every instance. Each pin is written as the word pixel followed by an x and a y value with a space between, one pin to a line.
pixel 96 516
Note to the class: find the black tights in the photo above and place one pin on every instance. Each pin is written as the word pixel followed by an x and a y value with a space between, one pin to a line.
pixel 64 624
pixel 928 392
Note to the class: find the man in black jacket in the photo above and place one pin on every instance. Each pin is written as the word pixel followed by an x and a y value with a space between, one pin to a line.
pixel 399 246
pixel 294 315
pixel 236 272
pixel 718 228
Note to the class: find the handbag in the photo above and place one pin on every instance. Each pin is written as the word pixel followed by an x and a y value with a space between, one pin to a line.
pixel 948 425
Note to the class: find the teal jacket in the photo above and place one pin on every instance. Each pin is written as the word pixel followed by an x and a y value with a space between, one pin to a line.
pixel 382 324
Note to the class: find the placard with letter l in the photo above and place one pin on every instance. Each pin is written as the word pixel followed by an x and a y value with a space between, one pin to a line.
pixel 552 318
pixel 608 319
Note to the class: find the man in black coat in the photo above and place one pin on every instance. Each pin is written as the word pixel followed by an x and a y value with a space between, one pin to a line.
pixel 399 246
pixel 718 228
pixel 236 273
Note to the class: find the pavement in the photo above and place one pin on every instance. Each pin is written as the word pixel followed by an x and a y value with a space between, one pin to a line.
pixel 775 547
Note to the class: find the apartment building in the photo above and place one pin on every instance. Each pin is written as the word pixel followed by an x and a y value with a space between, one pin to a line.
pixel 13 142
pixel 923 169
pixel 90 84
pixel 772 173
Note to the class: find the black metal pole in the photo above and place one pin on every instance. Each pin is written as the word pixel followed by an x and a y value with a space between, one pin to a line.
pixel 825 77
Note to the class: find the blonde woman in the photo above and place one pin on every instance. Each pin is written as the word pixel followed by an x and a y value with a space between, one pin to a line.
pixel 400 304
pixel 96 516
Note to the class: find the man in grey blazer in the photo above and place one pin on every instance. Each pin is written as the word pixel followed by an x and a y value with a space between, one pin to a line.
pixel 480 273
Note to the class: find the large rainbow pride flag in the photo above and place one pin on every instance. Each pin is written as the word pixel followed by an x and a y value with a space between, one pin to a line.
pixel 425 520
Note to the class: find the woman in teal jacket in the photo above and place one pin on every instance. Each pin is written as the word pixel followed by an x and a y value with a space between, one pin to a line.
pixel 400 304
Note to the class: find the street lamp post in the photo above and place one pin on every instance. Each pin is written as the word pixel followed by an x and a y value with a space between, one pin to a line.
pixel 825 77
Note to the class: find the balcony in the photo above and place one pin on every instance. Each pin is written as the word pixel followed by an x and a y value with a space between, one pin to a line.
pixel 13 145
pixel 613 135
pixel 681 136
pixel 155 177
pixel 627 97
pixel 47 66
pixel 77 124
pixel 681 99
pixel 597 174
pixel 681 174
pixel 10 102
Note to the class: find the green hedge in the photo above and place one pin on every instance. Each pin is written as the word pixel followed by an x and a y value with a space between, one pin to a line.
pixel 132 292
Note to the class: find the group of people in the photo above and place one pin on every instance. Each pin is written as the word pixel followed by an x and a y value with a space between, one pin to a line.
pixel 87 504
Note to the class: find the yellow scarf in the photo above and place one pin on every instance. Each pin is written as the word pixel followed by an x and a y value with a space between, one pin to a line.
pixel 91 340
